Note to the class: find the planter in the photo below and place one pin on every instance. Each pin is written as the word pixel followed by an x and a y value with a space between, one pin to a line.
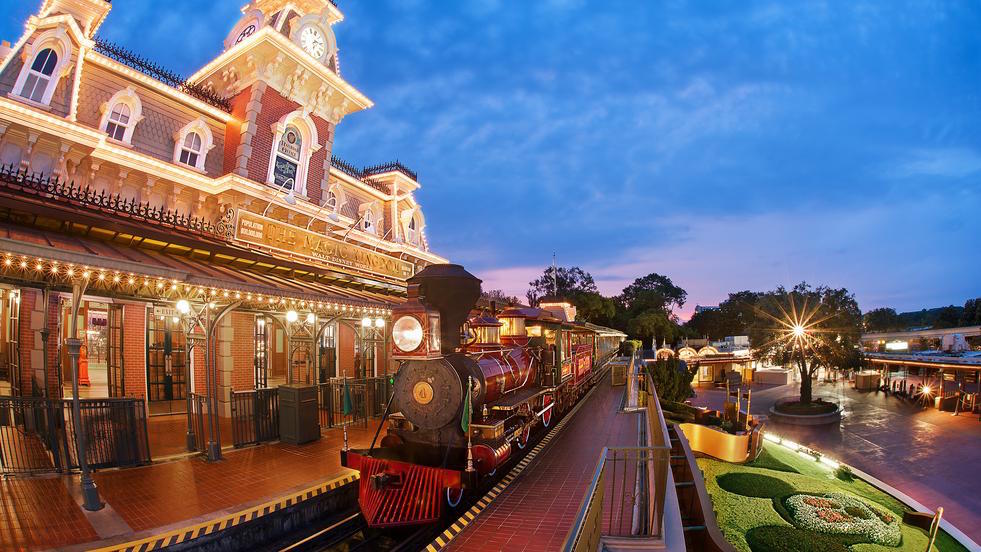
pixel 826 418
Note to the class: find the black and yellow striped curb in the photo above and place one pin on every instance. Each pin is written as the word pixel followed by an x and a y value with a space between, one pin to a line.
pixel 189 533
pixel 463 521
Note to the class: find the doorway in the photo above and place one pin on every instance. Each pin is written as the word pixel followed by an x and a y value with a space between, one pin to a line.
pixel 9 342
pixel 100 366
pixel 166 365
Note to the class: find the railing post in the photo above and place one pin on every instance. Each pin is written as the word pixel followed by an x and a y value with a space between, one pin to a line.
pixel 90 494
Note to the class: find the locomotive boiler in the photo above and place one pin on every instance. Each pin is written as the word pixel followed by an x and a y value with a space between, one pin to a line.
pixel 519 366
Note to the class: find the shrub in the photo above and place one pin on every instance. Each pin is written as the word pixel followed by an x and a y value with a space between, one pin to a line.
pixel 844 473
pixel 780 538
pixel 754 485
pixel 672 379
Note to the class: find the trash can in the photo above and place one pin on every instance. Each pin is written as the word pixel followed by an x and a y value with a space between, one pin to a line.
pixel 298 419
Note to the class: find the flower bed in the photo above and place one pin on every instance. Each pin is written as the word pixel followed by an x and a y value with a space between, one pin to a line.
pixel 843 514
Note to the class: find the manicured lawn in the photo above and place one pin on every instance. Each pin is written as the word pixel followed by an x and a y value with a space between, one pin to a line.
pixel 749 499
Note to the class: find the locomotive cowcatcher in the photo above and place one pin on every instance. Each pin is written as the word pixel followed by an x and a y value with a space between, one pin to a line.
pixel 523 367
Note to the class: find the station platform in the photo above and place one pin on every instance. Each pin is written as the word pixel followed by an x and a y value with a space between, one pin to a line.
pixel 538 508
pixel 171 498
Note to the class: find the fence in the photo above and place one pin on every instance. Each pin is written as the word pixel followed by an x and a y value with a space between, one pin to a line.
pixel 38 435
pixel 367 398
pixel 255 416
pixel 197 405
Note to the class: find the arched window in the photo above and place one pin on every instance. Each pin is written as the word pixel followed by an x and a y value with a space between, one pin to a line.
pixel 192 144
pixel 288 151
pixel 39 76
pixel 369 222
pixel 118 121
pixel 294 141
pixel 121 114
pixel 191 149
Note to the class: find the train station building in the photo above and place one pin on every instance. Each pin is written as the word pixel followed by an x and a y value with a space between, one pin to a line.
pixel 197 235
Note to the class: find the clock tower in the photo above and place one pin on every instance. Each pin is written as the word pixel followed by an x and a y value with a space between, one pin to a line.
pixel 281 73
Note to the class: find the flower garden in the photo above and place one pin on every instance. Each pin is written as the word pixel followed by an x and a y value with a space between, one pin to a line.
pixel 784 502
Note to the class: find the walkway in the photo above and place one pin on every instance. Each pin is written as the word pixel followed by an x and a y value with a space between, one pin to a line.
pixel 44 512
pixel 926 453
pixel 537 510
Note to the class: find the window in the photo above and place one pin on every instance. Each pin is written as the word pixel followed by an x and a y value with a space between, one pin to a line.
pixel 411 234
pixel 288 158
pixel 39 76
pixel 369 222
pixel 121 114
pixel 191 149
pixel 331 202
pixel 118 121
pixel 192 144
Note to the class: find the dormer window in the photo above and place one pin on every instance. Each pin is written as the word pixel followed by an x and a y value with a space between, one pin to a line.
pixel 121 114
pixel 191 149
pixel 192 144
pixel 39 76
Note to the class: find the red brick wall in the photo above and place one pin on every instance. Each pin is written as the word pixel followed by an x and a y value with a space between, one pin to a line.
pixel 28 299
pixel 54 304
pixel 134 350
pixel 199 381
pixel 274 107
pixel 243 351
pixel 233 129
pixel 345 351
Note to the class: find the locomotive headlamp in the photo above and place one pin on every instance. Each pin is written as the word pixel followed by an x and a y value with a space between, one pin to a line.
pixel 407 333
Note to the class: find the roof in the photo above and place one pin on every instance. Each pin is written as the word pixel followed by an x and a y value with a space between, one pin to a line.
pixel 56 250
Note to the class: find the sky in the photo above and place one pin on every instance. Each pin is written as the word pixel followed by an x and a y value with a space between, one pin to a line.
pixel 727 145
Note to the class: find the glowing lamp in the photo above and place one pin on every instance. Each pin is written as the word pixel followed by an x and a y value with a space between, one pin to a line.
pixel 366 322
pixel 291 316
pixel 183 306
pixel 799 331
pixel 311 318
pixel 379 322
pixel 407 334
pixel 926 390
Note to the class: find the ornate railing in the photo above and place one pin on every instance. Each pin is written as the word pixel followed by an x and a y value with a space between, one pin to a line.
pixel 151 69
pixel 53 188
pixel 365 174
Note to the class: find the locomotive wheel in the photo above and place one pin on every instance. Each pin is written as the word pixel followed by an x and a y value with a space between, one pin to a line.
pixel 547 416
pixel 453 496
pixel 523 438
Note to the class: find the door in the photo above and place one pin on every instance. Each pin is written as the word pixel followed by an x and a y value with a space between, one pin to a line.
pixel 11 361
pixel 327 354
pixel 166 365
pixel 114 351
pixel 261 362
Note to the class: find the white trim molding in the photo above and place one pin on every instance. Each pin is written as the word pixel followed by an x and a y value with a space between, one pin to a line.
pixel 59 43
pixel 310 144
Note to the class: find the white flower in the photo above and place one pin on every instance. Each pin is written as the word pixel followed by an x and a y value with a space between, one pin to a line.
pixel 840 513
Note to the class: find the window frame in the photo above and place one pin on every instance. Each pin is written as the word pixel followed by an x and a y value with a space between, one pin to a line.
pixel 57 41
pixel 201 128
pixel 128 97
pixel 309 144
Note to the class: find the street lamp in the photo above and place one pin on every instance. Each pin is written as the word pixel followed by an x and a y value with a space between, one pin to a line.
pixel 290 197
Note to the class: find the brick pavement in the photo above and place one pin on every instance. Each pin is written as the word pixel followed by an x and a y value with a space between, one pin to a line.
pixel 537 510
pixel 37 513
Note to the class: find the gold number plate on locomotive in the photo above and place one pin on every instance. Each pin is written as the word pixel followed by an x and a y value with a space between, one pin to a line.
pixel 422 392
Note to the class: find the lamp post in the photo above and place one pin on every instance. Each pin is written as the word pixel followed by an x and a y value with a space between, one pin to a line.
pixel 90 493
pixel 193 319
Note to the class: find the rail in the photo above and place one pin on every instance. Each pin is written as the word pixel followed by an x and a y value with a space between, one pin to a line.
pixel 197 405
pixel 255 416
pixel 37 435
pixel 348 401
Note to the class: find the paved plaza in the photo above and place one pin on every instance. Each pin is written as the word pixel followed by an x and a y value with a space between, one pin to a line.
pixel 928 454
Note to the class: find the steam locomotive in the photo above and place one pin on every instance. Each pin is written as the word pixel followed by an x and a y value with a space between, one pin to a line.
pixel 523 367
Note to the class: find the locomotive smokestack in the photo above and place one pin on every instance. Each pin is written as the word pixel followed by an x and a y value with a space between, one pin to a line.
pixel 452 291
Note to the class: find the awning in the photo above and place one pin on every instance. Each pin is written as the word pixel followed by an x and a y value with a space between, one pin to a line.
pixel 56 252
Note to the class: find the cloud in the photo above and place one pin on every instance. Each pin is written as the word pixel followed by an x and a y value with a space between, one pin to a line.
pixel 946 162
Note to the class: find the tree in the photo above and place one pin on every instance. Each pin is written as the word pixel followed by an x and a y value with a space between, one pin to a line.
pixel 971 315
pixel 654 325
pixel 672 379
pixel 653 291
pixel 809 328
pixel 594 308
pixel 882 320
pixel 733 317
pixel 501 298
pixel 561 282
pixel 947 317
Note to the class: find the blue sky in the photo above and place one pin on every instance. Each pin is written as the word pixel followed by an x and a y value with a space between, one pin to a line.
pixel 727 145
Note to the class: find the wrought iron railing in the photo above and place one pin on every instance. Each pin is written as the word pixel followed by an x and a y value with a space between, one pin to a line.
pixel 151 69
pixel 255 416
pixel 37 435
pixel 354 403
pixel 389 167
pixel 52 188
pixel 364 174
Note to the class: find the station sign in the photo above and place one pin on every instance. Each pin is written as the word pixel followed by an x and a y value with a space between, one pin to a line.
pixel 324 250
pixel 161 311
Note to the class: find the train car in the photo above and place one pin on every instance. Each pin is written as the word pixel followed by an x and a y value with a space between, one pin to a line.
pixel 469 393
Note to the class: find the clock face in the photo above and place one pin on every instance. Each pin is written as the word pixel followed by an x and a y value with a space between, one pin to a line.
pixel 246 32
pixel 312 41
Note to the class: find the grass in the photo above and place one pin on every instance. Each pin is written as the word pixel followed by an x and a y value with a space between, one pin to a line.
pixel 752 524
